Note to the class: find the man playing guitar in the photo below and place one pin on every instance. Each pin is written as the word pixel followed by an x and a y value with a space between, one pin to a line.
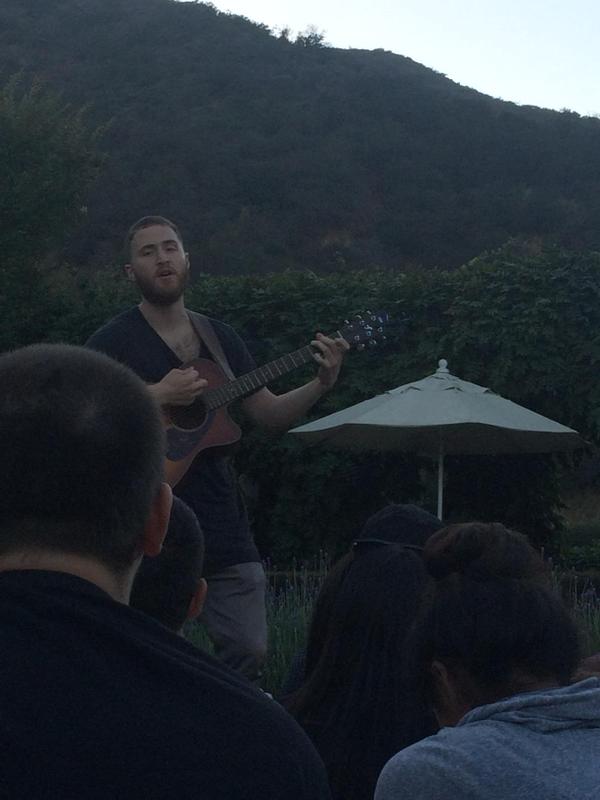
pixel 155 339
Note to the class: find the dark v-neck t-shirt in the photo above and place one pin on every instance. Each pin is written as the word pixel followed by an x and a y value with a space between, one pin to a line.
pixel 210 486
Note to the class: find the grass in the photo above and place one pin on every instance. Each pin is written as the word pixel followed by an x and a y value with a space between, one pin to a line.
pixel 582 507
pixel 291 596
pixel 582 597
pixel 290 599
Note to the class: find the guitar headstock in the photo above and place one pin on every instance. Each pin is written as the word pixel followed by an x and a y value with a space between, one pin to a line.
pixel 365 329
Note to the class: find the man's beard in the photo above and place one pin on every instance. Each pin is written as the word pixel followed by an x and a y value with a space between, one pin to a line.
pixel 165 296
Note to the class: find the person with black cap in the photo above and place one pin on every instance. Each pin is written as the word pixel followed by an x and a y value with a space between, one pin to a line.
pixel 358 700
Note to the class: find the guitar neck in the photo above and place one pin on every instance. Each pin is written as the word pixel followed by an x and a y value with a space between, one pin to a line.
pixel 223 395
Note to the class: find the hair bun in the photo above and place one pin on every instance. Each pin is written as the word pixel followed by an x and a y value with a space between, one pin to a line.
pixel 482 552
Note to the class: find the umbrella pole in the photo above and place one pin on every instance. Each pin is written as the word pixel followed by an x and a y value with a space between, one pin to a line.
pixel 440 502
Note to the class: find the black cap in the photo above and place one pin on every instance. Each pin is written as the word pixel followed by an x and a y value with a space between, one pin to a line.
pixel 401 524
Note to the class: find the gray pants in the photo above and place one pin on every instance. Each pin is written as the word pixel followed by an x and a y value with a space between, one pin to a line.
pixel 235 617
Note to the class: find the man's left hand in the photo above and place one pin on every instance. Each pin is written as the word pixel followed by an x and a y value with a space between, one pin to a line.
pixel 329 356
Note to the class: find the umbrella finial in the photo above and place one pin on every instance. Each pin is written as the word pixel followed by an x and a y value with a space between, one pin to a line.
pixel 443 366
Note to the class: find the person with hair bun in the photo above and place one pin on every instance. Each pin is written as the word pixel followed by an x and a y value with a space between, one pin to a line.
pixel 497 650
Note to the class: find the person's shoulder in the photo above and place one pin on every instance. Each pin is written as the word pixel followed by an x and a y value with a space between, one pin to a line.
pixel 268 734
pixel 296 758
pixel 115 327
pixel 275 724
pixel 430 768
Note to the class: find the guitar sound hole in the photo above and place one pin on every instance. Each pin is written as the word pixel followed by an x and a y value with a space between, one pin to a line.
pixel 188 417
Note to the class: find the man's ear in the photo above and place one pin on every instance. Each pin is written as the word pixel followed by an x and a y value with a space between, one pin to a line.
pixel 128 270
pixel 197 602
pixel 157 523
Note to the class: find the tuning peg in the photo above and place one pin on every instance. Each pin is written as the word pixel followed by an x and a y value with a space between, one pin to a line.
pixel 360 347
pixel 346 322
pixel 372 342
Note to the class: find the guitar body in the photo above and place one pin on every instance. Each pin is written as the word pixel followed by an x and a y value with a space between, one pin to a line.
pixel 206 423
pixel 192 429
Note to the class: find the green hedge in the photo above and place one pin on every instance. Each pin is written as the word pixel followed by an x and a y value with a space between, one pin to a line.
pixel 525 323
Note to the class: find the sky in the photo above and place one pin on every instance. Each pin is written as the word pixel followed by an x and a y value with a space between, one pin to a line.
pixel 535 52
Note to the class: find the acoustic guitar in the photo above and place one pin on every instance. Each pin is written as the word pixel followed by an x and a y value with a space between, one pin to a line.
pixel 205 423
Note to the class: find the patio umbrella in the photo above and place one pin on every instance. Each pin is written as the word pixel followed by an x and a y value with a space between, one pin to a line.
pixel 439 415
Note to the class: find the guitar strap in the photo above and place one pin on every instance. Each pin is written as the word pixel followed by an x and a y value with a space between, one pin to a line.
pixel 204 328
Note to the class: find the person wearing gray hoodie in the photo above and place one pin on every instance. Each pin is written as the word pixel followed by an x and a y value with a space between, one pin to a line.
pixel 497 649
pixel 534 745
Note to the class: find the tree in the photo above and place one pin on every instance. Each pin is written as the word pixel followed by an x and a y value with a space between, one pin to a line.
pixel 311 37
pixel 48 158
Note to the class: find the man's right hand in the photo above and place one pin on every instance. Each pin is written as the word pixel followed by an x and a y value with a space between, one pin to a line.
pixel 179 387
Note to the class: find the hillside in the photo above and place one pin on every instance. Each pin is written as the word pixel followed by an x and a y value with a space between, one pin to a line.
pixel 272 155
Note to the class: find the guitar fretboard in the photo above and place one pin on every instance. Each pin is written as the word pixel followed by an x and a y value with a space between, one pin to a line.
pixel 222 395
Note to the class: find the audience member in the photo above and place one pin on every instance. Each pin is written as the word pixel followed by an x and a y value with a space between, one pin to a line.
pixel 395 523
pixel 98 700
pixel 497 650
pixel 359 702
pixel 170 586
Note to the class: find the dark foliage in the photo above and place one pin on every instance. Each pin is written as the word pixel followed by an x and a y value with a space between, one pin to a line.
pixel 48 160
pixel 524 323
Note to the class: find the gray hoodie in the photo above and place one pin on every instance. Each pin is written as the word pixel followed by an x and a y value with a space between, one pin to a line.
pixel 541 745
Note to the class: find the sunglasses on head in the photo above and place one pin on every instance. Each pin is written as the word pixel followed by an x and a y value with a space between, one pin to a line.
pixel 363 545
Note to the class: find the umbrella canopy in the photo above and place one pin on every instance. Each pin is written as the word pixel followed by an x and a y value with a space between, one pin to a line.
pixel 437 415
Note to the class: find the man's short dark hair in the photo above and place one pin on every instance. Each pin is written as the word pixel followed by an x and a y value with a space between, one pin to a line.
pixel 148 222
pixel 165 584
pixel 81 457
